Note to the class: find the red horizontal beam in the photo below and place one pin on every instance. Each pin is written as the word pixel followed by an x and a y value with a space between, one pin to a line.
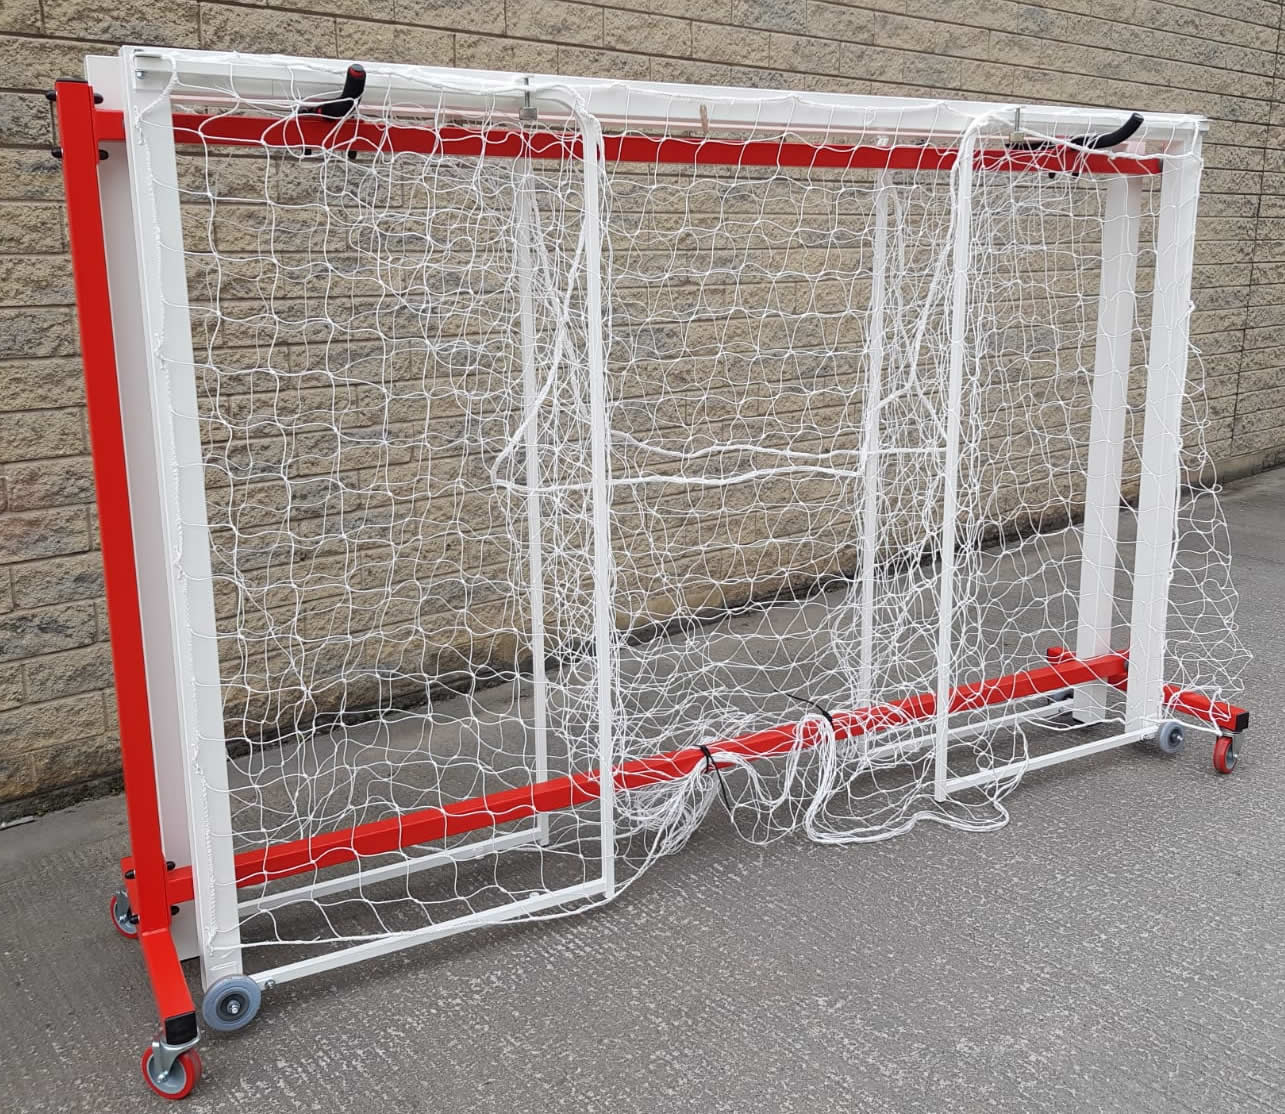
pixel 1216 713
pixel 1219 713
pixel 506 806
pixel 369 137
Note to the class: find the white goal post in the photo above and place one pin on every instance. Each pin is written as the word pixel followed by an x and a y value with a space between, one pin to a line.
pixel 521 466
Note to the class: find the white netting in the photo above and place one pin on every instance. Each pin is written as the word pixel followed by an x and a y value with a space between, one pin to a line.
pixel 395 394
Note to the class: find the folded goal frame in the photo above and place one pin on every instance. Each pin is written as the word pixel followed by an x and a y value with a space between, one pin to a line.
pixel 496 472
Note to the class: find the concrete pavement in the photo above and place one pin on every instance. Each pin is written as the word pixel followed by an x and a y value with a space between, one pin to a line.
pixel 1120 946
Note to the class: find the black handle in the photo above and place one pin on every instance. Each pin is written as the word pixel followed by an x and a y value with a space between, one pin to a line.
pixel 1092 142
pixel 1110 139
pixel 354 86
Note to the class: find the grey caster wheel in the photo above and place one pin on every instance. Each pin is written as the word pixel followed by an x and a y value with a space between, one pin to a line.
pixel 1170 737
pixel 231 1003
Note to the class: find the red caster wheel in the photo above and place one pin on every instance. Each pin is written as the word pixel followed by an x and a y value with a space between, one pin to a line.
pixel 1225 754
pixel 123 918
pixel 179 1080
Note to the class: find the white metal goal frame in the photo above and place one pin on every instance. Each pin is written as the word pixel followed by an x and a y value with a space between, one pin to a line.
pixel 181 885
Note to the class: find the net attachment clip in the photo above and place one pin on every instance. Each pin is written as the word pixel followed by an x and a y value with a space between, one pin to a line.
pixel 528 114
pixel 1015 136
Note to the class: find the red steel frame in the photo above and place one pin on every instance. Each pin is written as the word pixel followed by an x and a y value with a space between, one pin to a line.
pixel 319 852
pixel 152 886
pixel 370 137
pixel 147 873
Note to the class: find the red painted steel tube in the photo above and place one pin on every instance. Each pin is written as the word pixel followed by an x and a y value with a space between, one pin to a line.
pixel 365 136
pixel 76 117
pixel 493 809
pixel 1216 713
pixel 1197 705
pixel 169 987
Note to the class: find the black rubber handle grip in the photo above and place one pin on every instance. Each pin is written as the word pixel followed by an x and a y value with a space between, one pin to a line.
pixel 1110 139
pixel 354 86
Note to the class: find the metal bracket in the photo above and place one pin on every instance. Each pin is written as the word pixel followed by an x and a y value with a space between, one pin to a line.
pixel 1016 135
pixel 164 1055
pixel 527 114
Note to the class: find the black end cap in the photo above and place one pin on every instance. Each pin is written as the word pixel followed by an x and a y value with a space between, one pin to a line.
pixel 181 1029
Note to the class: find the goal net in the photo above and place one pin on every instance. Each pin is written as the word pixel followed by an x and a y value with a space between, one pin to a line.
pixel 547 464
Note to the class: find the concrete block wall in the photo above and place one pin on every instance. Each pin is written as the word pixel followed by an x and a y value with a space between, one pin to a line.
pixel 1224 59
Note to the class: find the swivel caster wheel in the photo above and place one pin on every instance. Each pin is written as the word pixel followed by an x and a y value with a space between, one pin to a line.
pixel 231 1003
pixel 176 1082
pixel 124 919
pixel 1170 737
pixel 1225 754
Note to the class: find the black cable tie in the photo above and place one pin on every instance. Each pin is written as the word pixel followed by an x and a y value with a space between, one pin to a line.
pixel 712 767
pixel 813 704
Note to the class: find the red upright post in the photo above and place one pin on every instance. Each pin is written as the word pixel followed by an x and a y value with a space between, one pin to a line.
pixel 149 894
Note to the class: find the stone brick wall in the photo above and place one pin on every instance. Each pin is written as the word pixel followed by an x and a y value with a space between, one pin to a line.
pixel 57 713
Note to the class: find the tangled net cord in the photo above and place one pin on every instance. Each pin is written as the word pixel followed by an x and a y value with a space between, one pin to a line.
pixel 737 308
